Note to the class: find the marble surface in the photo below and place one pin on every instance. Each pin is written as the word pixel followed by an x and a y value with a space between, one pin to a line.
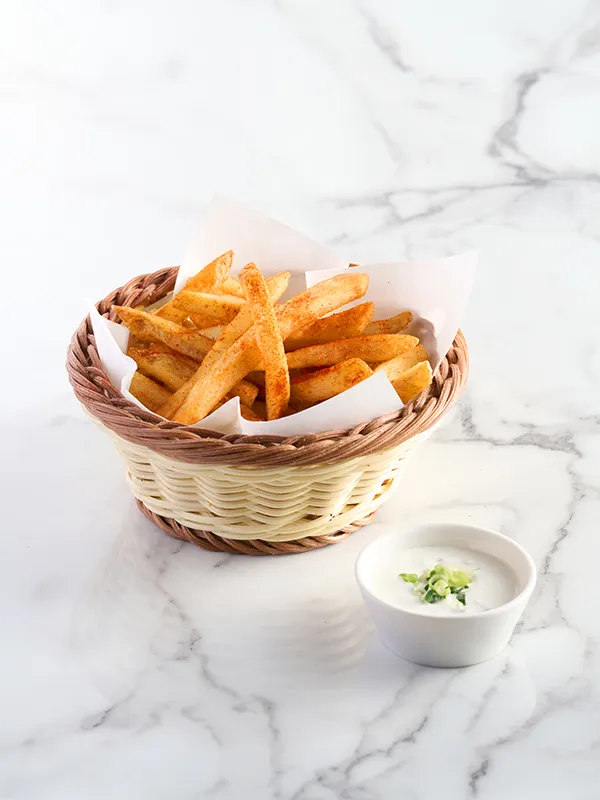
pixel 137 668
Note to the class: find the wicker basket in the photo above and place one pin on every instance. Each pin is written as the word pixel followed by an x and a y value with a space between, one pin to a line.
pixel 254 494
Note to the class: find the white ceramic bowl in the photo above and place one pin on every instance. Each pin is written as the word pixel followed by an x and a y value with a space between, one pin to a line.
pixel 444 641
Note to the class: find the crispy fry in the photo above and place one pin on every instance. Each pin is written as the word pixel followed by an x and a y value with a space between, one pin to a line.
pixel 149 326
pixel 148 392
pixel 212 333
pixel 375 348
pixel 170 368
pixel 135 342
pixel 250 414
pixel 257 377
pixel 396 366
pixel 342 325
pixel 276 285
pixel 168 311
pixel 270 343
pixel 326 383
pixel 391 325
pixel 208 279
pixel 236 328
pixel 413 381
pixel 246 391
pixel 260 409
pixel 206 310
pixel 244 355
pixel 211 276
pixel 231 286
pixel 174 369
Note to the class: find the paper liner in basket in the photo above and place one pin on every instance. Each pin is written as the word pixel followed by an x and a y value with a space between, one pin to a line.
pixel 436 291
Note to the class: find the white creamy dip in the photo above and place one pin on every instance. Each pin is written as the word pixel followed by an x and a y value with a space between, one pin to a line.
pixel 493 583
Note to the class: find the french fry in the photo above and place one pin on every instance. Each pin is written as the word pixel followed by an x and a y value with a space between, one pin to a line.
pixel 148 392
pixel 250 414
pixel 211 276
pixel 270 343
pixel 413 381
pixel 246 391
pixel 206 310
pixel 236 328
pixel 173 369
pixel 168 311
pixel 391 325
pixel 208 279
pixel 212 333
pixel 396 366
pixel 257 377
pixel 231 286
pixel 170 368
pixel 260 409
pixel 149 326
pixel 326 383
pixel 135 342
pixel 342 325
pixel 379 347
pixel 276 285
pixel 244 355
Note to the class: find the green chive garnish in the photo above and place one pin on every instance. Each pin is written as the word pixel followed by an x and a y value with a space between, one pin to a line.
pixel 409 577
pixel 439 582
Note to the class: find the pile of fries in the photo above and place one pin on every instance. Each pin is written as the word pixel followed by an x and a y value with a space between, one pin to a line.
pixel 219 338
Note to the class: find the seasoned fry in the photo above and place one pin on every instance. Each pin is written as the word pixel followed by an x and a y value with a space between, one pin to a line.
pixel 375 348
pixel 149 326
pixel 250 414
pixel 206 310
pixel 391 325
pixel 212 333
pixel 211 276
pixel 168 311
pixel 208 279
pixel 413 381
pixel 170 368
pixel 173 369
pixel 246 391
pixel 342 325
pixel 260 409
pixel 244 355
pixel 276 285
pixel 257 377
pixel 236 328
pixel 270 343
pixel 148 392
pixel 195 353
pixel 326 383
pixel 396 366
pixel 231 286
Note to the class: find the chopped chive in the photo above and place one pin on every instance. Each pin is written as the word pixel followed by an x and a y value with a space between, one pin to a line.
pixel 439 582
pixel 409 577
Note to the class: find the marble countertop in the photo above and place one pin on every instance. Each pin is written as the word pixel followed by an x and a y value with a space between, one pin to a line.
pixel 133 667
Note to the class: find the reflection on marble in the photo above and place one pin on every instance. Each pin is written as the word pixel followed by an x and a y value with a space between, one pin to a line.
pixel 137 668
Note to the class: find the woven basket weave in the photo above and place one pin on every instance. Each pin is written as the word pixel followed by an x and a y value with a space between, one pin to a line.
pixel 254 494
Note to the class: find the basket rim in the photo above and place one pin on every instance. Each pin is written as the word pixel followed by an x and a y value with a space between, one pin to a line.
pixel 103 401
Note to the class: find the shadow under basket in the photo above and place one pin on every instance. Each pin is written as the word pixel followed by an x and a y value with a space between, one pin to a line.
pixel 262 494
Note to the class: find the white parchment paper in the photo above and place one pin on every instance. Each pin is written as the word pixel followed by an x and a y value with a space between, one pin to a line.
pixel 436 291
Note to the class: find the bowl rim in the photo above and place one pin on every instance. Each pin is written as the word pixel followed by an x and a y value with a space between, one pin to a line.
pixel 517 600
